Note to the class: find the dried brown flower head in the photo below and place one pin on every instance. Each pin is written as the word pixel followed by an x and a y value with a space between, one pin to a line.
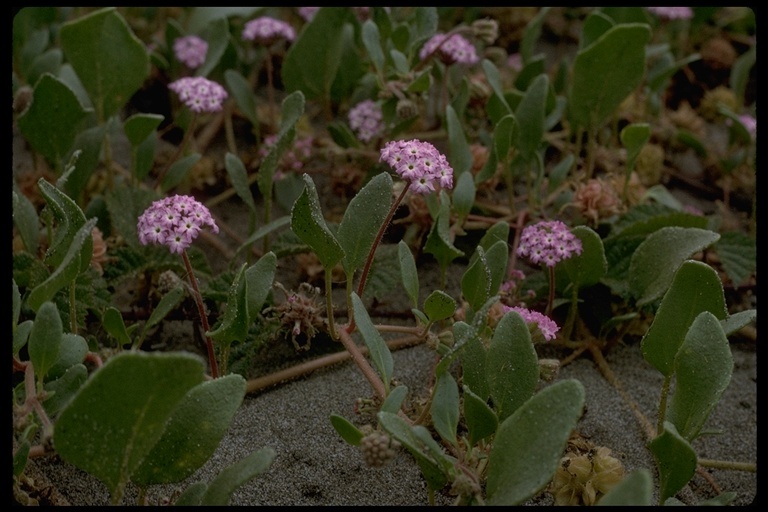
pixel 596 199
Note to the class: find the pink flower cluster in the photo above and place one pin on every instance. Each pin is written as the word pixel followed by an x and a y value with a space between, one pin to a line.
pixel 672 13
pixel 190 50
pixel 419 163
pixel 546 325
pixel 548 242
pixel 455 49
pixel 199 93
pixel 266 30
pixel 174 222
pixel 750 123
pixel 365 119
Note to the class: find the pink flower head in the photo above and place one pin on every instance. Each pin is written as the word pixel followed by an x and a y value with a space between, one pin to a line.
pixel 199 93
pixel 190 50
pixel 174 222
pixel 548 242
pixel 266 30
pixel 750 123
pixel 308 13
pixel 365 119
pixel 546 325
pixel 455 49
pixel 419 163
pixel 672 13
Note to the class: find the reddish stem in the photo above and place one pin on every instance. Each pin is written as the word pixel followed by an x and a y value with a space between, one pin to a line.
pixel 203 317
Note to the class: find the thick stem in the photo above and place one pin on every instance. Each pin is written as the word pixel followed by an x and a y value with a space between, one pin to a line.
pixel 203 317
pixel 362 363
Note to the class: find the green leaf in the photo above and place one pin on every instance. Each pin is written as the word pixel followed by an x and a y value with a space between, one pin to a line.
pixel 439 306
pixel 70 219
pixel 530 116
pixel 239 178
pixel 474 360
pixel 312 60
pixel 15 304
pixel 458 148
pixel 703 369
pixel 439 241
pixel 90 44
pixel 68 269
pixel 21 335
pixel 50 123
pixel 142 390
pixel 635 488
pixel 73 351
pixel 242 92
pixel 606 72
pixel 532 33
pixel 140 126
pixel 26 221
pixel 62 390
pixel 178 171
pixel 408 272
pixel 365 214
pixel 193 432
pixel 217 35
pixel 377 347
pixel 220 490
pixel 696 288
pixel 234 325
pixel 494 80
pixel 596 24
pixel 481 420
pixel 258 279
pixel 264 230
pixel 739 77
pixel 658 257
pixel 167 303
pixel 738 320
pixel 445 407
pixel 590 266
pixel 309 225
pixel 634 137
pixel 464 195
pixel 496 257
pixel 192 495
pixel 476 281
pixel 676 460
pixel 201 17
pixel 528 445
pixel 115 326
pixel 348 431
pixel 512 365
pixel 45 339
pixel 372 42
pixel 394 399
pixel 738 254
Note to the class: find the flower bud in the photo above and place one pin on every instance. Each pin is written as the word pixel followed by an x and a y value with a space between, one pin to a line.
pixel 548 369
pixel 486 30
pixel 406 109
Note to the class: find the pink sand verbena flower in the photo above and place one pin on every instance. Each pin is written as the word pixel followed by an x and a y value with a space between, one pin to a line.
pixel 546 325
pixel 190 50
pixel 174 222
pixel 548 242
pixel 419 163
pixel 266 30
pixel 199 94
pixel 365 119
pixel 455 49
pixel 672 13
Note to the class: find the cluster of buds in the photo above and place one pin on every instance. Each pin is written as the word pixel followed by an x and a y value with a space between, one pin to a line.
pixel 365 119
pixel 190 51
pixel 548 242
pixel 199 93
pixel 450 49
pixel 419 163
pixel 582 479
pixel 266 30
pixel 378 449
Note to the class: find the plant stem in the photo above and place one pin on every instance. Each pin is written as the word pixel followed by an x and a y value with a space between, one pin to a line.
pixel 568 326
pixel 377 240
pixel 72 308
pixel 179 150
pixel 663 404
pixel 725 464
pixel 203 317
pixel 362 363
pixel 551 298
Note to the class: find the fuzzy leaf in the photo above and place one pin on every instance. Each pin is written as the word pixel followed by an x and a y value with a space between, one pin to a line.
pixel 70 219
pixel 464 195
pixel 348 431
pixel 394 399
pixel 590 266
pixel 481 420
pixel 606 72
pixel 178 171
pixel 372 42
pixel 140 126
pixel 243 95
pixel 445 407
pixel 530 116
pixel 408 272
pixel 458 148
pixel 90 44
pixel 309 225
pixel 239 178
pixel 142 390
pixel 73 351
pixel 26 221
pixel 738 253
pixel 62 390
pixel 634 137
pixel 45 339
pixel 193 432
pixel 439 306
pixel 167 303
pixel 656 260
pixel 696 288
pixel 703 369
pixel 220 490
pixel 476 281
pixel 234 325
pixel 635 489
pixel 258 280
pixel 50 124
pixel 738 320
pixel 362 219
pixel 675 459
pixel 217 35
pixel 529 443
pixel 115 326
pixel 512 365
pixel 377 348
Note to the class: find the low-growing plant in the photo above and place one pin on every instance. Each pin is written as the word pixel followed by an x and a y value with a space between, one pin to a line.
pixel 537 192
